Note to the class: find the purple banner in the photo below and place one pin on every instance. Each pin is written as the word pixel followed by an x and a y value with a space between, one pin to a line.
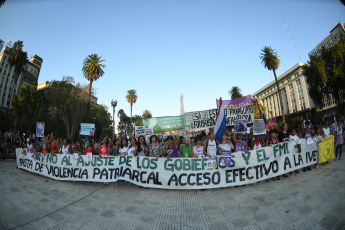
pixel 239 102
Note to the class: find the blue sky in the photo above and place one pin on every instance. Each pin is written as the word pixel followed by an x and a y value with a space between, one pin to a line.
pixel 164 48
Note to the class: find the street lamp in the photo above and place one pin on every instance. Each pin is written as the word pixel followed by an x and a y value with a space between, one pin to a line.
pixel 114 104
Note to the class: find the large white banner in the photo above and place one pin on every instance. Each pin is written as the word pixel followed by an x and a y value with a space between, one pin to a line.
pixel 175 173
pixel 207 118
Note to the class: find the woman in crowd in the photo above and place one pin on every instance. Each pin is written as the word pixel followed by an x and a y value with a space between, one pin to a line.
pixel 284 134
pixel 116 148
pixel 89 148
pixel 240 137
pixel 79 148
pixel 53 144
pixel 307 131
pixel 45 147
pixel 111 148
pixel 103 149
pixel 326 131
pixel 124 147
pixel 210 146
pixel 198 149
pixel 133 148
pixel 293 136
pixel 225 144
pixel 185 148
pixel 143 149
pixel 171 148
pixel 339 139
pixel 66 147
pixel 154 147
pixel 273 138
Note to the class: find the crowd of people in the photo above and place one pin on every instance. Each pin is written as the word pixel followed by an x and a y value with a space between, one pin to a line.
pixel 173 146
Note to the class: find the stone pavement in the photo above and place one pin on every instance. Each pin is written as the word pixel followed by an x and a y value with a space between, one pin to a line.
pixel 311 200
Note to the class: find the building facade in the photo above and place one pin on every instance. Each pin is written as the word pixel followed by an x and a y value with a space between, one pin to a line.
pixel 29 76
pixel 294 91
pixel 335 35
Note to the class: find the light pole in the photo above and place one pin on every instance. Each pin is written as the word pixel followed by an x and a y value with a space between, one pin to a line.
pixel 114 104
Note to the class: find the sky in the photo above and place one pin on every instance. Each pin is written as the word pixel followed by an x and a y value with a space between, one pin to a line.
pixel 163 49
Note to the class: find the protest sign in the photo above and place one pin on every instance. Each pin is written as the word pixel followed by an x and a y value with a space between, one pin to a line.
pixel 326 149
pixel 241 126
pixel 225 159
pixel 211 162
pixel 173 173
pixel 207 118
pixel 272 123
pixel 149 132
pixel 163 124
pixel 40 129
pixel 196 133
pixel 140 131
pixel 235 103
pixel 87 129
pixel 241 146
pixel 259 127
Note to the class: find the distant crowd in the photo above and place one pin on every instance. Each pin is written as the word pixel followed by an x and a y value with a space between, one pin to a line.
pixel 173 146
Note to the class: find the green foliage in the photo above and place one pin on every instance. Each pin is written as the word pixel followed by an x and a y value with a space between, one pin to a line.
pixel 235 92
pixel 102 119
pixel 124 123
pixel 325 75
pixel 25 108
pixel 256 110
pixel 147 114
pixel 131 99
pixel 269 58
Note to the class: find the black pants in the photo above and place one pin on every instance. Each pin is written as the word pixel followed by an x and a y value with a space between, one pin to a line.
pixel 340 150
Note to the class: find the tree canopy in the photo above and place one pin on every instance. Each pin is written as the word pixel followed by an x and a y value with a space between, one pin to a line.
pixel 235 92
pixel 325 75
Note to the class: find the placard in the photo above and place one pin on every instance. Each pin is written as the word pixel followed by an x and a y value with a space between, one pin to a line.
pixel 241 126
pixel 87 129
pixel 140 131
pixel 40 129
pixel 259 127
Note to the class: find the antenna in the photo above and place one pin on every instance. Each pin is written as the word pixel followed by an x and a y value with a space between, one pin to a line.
pixel 292 40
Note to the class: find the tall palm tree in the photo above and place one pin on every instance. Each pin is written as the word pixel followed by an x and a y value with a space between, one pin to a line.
pixel 131 98
pixel 17 59
pixel 92 70
pixel 2 2
pixel 270 59
pixel 147 114
pixel 235 92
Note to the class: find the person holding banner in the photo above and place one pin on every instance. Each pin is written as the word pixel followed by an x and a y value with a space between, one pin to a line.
pixel 225 144
pixel 240 138
pixel 154 147
pixel 53 144
pixel 66 147
pixel 210 147
pixel 198 149
pixel 284 134
pixel 133 148
pixel 185 148
pixel 89 148
pixel 124 146
pixel 143 149
pixel 116 148
pixel 104 148
pixel 171 148
pixel 111 149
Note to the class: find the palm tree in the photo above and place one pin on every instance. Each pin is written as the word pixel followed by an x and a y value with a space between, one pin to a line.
pixel 270 59
pixel 17 59
pixel 147 114
pixel 342 2
pixel 235 92
pixel 92 70
pixel 131 98
pixel 2 2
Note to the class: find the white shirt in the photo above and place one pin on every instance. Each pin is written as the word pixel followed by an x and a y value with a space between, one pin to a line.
pixel 226 147
pixel 131 151
pixel 294 137
pixel 326 131
pixel 123 150
pixel 198 152
pixel 65 150
pixel 212 148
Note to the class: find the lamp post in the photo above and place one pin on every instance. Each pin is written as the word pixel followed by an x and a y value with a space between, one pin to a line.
pixel 113 104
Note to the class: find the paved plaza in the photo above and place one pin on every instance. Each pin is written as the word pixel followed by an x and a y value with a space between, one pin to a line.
pixel 309 200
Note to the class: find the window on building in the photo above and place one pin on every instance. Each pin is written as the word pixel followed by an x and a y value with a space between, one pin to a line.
pixel 293 99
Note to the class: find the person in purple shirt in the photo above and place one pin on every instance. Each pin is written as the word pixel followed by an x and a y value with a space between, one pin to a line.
pixel 171 148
